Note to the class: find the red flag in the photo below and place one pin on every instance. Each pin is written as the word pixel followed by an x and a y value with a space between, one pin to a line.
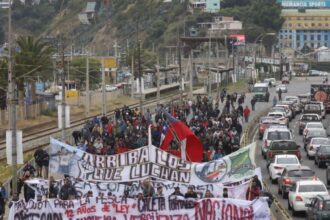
pixel 191 146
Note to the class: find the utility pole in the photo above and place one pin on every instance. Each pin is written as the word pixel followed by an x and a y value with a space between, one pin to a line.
pixel 104 110
pixel 191 74
pixel 12 101
pixel 63 88
pixel 140 76
pixel 132 77
pixel 180 73
pixel 209 73
pixel 158 85
pixel 116 57
pixel 87 107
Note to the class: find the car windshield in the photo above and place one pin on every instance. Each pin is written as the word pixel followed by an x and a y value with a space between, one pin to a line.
pixel 316 133
pixel 312 107
pixel 321 141
pixel 259 89
pixel 301 173
pixel 283 145
pixel 279 135
pixel 312 188
pixel 290 160
pixel 309 118
pixel 314 126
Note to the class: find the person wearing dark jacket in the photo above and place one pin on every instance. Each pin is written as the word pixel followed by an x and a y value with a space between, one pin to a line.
pixel 177 192
pixel 67 191
pixel 190 193
pixel 53 190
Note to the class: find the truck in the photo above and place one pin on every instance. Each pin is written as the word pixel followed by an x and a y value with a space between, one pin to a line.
pixel 260 92
pixel 321 93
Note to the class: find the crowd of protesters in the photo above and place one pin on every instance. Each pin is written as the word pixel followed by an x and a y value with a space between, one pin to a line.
pixel 218 128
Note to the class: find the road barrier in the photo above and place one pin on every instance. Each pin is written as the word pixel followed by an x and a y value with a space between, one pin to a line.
pixel 278 211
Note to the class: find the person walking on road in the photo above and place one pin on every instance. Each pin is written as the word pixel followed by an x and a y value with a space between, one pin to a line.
pixel 274 100
pixel 253 102
pixel 246 113
pixel 280 94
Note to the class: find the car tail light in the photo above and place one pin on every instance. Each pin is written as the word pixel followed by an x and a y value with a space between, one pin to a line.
pixel 321 205
pixel 286 181
pixel 270 154
pixel 299 198
pixel 278 168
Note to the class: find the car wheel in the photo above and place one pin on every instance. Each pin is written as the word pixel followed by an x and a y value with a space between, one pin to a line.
pixel 319 165
pixel 289 206
pixel 328 181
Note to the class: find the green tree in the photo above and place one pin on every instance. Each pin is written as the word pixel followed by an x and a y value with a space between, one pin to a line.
pixel 31 61
pixel 258 17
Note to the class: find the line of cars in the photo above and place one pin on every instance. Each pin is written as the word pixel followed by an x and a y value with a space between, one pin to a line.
pixel 296 182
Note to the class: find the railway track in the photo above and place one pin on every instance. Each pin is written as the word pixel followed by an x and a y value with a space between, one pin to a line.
pixel 33 140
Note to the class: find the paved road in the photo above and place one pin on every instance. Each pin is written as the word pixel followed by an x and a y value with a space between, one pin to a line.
pixel 297 86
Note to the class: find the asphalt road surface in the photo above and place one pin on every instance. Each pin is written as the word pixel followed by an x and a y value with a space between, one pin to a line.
pixel 295 87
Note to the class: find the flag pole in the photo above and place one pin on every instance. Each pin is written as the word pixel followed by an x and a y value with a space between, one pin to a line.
pixel 177 139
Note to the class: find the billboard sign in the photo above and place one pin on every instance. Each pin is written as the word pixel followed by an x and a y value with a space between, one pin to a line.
pixel 239 39
pixel 305 3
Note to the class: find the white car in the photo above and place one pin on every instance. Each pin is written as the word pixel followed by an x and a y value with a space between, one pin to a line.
pixel 286 108
pixel 310 125
pixel 314 144
pixel 280 162
pixel 274 134
pixel 110 88
pixel 280 116
pixel 271 80
pixel 302 192
pixel 282 87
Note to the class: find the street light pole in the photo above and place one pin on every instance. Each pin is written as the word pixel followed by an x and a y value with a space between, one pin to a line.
pixel 87 107
pixel 12 101
pixel 209 72
pixel 63 89
pixel 180 73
